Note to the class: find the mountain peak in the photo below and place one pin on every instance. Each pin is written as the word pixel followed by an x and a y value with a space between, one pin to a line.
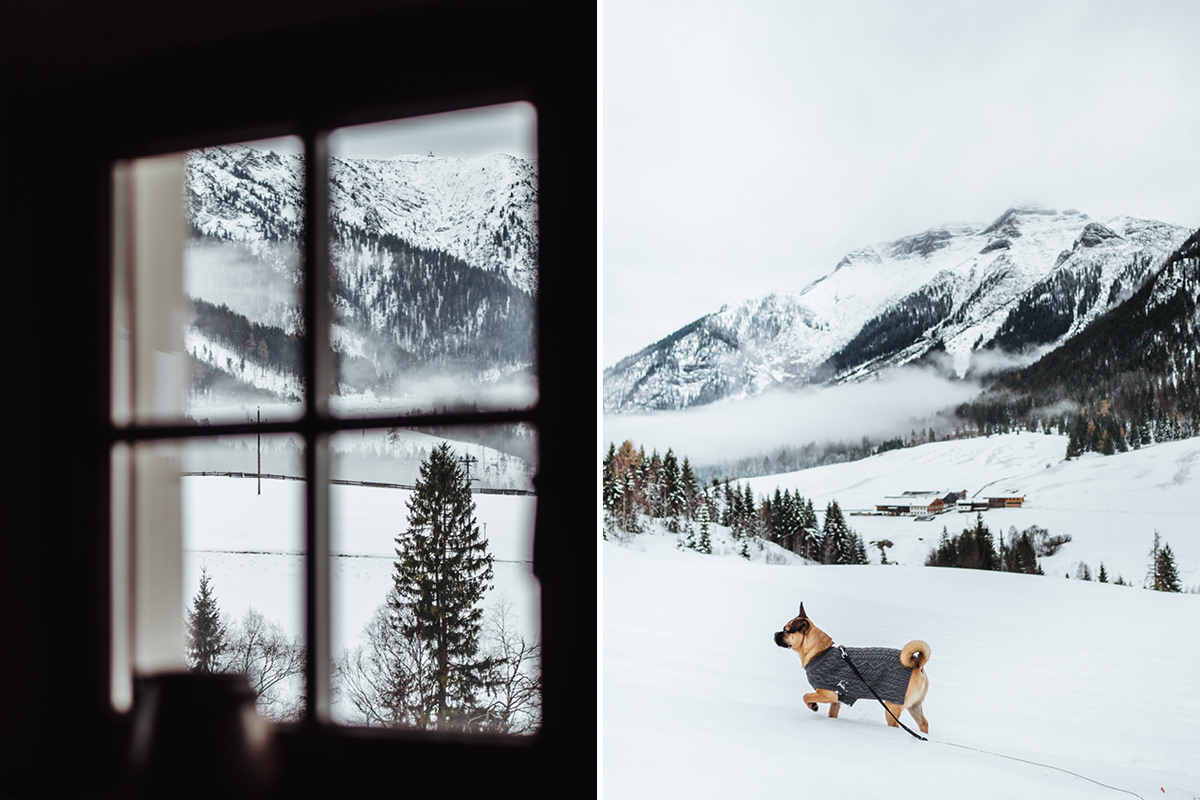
pixel 1094 233
pixel 1011 219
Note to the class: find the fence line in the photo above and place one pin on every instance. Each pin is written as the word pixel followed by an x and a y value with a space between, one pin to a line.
pixel 342 482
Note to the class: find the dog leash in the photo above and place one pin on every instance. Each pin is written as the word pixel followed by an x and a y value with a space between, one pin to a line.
pixel 846 657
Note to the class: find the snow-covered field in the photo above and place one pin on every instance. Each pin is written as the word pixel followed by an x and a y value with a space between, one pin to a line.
pixel 1040 686
pixel 1109 505
pixel 251 546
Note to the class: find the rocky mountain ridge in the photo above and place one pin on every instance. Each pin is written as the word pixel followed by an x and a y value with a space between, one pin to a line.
pixel 963 297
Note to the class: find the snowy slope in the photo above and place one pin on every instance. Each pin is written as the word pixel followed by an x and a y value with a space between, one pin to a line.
pixel 698 702
pixel 1109 505
pixel 1094 679
pixel 457 206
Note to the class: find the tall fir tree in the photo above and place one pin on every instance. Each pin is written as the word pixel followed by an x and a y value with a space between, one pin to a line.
pixel 672 491
pixel 691 489
pixel 704 545
pixel 810 543
pixel 442 571
pixel 611 491
pixel 206 635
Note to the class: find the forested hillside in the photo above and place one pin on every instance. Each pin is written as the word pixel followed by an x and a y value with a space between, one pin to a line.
pixel 1129 379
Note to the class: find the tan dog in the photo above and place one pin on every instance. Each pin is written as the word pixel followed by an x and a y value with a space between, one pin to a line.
pixel 897 676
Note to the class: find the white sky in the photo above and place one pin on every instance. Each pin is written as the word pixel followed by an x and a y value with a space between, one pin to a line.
pixel 509 128
pixel 747 146
pixel 470 133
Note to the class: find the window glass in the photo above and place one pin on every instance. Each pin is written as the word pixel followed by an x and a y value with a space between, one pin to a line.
pixel 432 538
pixel 434 257
pixel 243 564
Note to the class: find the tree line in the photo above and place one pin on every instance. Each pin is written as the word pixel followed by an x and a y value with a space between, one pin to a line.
pixel 640 488
pixel 419 306
pixel 977 548
pixel 266 345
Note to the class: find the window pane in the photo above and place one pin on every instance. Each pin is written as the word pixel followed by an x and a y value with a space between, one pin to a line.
pixel 434 257
pixel 244 212
pixel 208 563
pixel 422 572
pixel 206 284
pixel 243 565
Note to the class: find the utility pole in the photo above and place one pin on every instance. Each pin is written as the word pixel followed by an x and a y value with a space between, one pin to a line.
pixel 259 437
pixel 467 462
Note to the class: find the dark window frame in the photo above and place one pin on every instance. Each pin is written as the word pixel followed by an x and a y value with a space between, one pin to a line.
pixel 420 59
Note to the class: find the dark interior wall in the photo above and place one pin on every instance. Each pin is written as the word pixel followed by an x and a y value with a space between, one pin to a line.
pixel 84 80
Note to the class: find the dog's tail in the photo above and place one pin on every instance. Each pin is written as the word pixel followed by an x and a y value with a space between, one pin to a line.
pixel 915 654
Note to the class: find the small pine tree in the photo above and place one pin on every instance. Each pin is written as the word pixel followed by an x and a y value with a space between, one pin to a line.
pixel 688 540
pixel 1166 576
pixel 671 491
pixel 205 630
pixel 1102 576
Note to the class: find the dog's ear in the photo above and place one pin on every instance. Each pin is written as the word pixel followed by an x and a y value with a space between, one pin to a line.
pixel 802 614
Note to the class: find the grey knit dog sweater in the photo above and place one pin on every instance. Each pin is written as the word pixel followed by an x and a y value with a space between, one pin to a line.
pixel 879 665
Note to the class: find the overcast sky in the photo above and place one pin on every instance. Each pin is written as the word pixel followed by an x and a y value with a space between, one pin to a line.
pixel 508 128
pixel 472 133
pixel 748 145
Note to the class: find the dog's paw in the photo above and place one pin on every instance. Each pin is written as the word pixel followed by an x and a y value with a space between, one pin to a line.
pixel 813 706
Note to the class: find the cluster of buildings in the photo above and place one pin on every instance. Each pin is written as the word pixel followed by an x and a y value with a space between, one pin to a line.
pixel 928 504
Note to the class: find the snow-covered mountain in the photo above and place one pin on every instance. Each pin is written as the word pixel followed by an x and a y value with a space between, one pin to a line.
pixel 434 261
pixel 482 211
pixel 1017 286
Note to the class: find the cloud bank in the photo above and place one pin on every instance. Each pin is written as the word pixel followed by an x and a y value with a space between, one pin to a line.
pixel 879 409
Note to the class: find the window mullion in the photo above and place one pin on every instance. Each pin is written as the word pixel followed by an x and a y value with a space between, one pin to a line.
pixel 318 370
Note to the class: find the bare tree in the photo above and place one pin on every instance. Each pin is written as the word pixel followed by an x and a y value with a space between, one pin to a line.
pixel 513 691
pixel 389 678
pixel 259 649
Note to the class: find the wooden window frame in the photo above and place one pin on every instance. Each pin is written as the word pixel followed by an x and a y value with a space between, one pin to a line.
pixel 307 80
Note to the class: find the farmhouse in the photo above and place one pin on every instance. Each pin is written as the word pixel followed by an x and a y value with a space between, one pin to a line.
pixel 1009 500
pixel 919 503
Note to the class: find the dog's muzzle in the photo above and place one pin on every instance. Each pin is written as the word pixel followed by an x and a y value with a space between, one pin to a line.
pixel 779 639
